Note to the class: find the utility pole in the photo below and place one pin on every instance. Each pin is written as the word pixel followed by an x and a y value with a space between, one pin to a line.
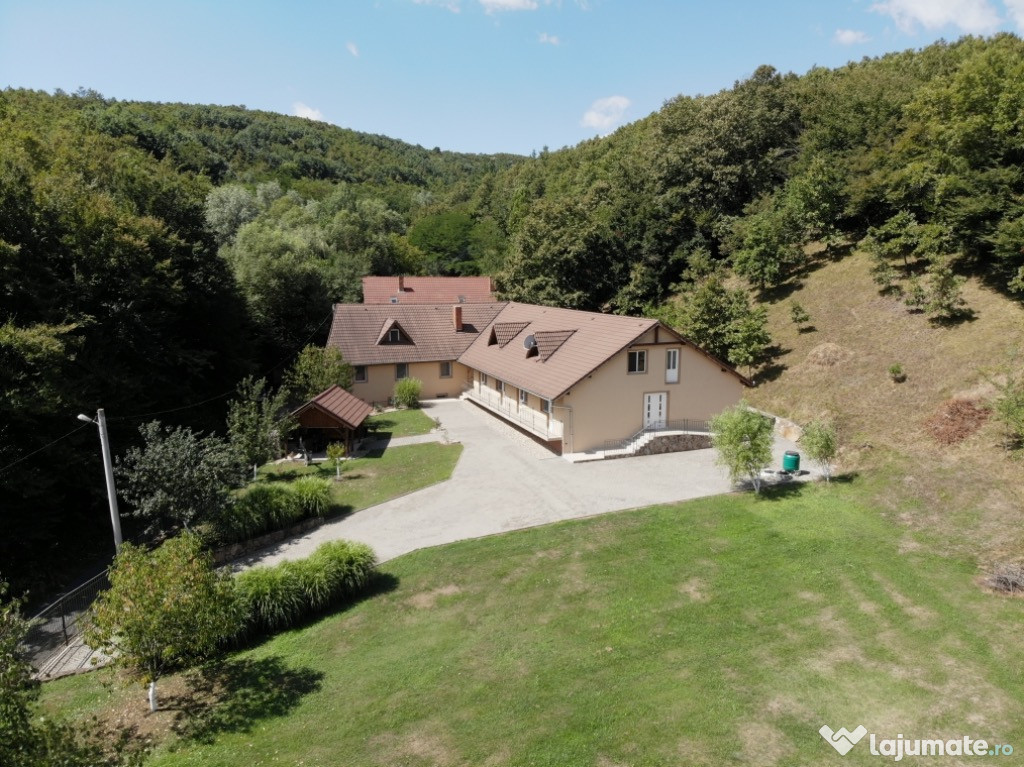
pixel 108 467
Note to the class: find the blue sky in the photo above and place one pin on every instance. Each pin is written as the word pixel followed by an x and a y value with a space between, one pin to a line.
pixel 465 75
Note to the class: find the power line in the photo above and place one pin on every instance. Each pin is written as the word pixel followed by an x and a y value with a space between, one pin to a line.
pixel 170 410
pixel 140 416
pixel 44 447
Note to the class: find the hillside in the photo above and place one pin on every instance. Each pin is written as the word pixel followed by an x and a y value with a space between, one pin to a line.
pixel 964 498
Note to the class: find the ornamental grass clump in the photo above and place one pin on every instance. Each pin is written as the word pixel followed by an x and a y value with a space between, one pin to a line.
pixel 311 496
pixel 278 597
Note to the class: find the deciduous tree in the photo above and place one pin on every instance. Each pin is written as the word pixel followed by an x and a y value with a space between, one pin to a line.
pixel 165 609
pixel 177 477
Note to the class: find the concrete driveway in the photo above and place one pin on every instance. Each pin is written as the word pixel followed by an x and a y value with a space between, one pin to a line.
pixel 504 481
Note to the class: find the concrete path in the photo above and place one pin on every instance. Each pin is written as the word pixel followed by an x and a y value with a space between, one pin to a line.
pixel 505 481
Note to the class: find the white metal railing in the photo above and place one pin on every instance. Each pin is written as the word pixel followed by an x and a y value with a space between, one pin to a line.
pixel 534 421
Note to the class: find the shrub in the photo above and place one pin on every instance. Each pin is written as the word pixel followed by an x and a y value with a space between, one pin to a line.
pixel 896 373
pixel 277 597
pixel 311 497
pixel 798 314
pixel 407 392
pixel 258 510
pixel 1009 410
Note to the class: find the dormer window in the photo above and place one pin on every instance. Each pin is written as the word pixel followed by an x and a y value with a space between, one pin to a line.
pixel 393 333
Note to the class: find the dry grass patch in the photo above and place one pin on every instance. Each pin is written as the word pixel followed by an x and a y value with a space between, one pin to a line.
pixel 840 371
pixel 428 599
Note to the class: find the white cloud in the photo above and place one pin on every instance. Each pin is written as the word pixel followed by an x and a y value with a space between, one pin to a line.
pixel 553 39
pixel 1016 10
pixel 301 110
pixel 491 6
pixel 850 37
pixel 972 16
pixel 353 49
pixel 605 114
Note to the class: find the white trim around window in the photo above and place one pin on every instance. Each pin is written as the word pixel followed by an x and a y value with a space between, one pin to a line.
pixel 672 366
pixel 636 362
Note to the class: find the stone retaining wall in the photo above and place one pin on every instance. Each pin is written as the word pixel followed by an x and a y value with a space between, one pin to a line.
pixel 240 549
pixel 675 443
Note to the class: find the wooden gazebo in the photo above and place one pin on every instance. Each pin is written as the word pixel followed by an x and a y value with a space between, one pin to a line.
pixel 333 415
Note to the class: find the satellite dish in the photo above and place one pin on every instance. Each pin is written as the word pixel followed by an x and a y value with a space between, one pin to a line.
pixel 529 342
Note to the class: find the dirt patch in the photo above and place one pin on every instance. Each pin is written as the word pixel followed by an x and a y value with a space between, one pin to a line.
pixel 427 744
pixel 427 599
pixel 763 744
pixel 955 420
pixel 828 355
pixel 695 588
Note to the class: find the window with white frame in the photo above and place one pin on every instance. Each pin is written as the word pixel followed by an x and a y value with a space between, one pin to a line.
pixel 637 362
pixel 545 406
pixel 522 396
pixel 394 336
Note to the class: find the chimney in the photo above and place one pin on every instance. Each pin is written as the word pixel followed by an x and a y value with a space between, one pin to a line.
pixel 401 283
pixel 457 318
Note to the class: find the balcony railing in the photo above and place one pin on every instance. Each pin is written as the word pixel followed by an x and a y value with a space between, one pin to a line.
pixel 541 424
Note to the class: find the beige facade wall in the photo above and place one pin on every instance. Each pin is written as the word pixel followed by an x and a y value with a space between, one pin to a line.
pixel 609 404
pixel 380 382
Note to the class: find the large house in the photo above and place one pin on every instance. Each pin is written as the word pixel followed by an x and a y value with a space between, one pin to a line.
pixel 580 381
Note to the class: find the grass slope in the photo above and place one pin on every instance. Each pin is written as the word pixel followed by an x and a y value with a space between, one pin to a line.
pixel 718 631
pixel 967 497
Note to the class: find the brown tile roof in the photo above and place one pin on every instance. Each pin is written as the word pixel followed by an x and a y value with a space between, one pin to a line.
pixel 506 331
pixel 428 329
pixel 343 406
pixel 570 345
pixel 549 341
pixel 427 290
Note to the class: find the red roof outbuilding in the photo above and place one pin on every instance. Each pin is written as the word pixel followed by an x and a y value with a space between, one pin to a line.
pixel 427 290
pixel 333 408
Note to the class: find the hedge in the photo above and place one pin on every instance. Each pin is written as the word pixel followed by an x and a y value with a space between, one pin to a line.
pixel 270 506
pixel 277 597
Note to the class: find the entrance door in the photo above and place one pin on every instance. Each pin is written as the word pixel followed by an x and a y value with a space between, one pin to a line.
pixel 654 410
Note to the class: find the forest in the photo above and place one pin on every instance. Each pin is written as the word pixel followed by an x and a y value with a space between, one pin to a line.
pixel 154 255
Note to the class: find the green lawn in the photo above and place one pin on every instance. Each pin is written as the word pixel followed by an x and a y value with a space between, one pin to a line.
pixel 401 423
pixel 378 476
pixel 715 632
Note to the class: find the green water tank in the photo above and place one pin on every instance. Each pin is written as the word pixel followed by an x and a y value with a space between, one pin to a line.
pixel 791 461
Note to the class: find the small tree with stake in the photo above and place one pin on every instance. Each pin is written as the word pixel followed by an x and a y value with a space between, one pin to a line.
pixel 336 453
pixel 821 443
pixel 744 441
pixel 165 609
